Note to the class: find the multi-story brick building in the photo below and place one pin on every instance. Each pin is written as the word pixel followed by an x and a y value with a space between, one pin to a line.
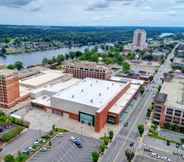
pixel 139 39
pixel 9 88
pixel 169 104
pixel 87 69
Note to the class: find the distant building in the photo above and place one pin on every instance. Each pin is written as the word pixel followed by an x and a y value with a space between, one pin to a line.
pixel 9 88
pixel 178 63
pixel 139 40
pixel 169 104
pixel 87 69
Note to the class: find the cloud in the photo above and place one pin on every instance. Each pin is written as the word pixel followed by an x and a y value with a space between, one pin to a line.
pixel 100 4
pixel 15 3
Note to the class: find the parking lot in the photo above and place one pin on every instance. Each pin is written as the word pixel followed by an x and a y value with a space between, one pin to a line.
pixel 145 159
pixel 21 142
pixel 63 150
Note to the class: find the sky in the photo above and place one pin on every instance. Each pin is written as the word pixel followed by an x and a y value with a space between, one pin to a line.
pixel 92 12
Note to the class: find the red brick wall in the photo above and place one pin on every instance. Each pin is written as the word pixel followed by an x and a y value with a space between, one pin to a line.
pixel 162 116
pixel 11 92
pixel 74 116
pixel 101 117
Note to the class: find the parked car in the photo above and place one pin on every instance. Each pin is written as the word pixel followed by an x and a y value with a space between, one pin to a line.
pixel 76 141
pixel 126 124
pixel 148 150
pixel 131 144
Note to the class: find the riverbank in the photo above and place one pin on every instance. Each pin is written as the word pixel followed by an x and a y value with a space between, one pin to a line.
pixel 33 58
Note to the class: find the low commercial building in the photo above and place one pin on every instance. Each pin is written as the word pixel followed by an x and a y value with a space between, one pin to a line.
pixel 43 78
pixel 87 70
pixel 178 63
pixel 169 104
pixel 89 101
pixel 143 70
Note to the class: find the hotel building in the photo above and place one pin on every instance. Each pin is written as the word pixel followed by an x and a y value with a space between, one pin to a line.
pixel 139 39
pixel 87 69
pixel 9 88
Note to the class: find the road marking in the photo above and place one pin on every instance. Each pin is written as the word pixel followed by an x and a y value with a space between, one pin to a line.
pixel 131 129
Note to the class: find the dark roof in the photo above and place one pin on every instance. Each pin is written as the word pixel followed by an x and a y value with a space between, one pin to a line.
pixel 160 98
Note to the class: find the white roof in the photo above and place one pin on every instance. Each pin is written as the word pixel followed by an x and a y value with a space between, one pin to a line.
pixel 57 87
pixel 45 77
pixel 43 100
pixel 121 104
pixel 92 92
pixel 124 79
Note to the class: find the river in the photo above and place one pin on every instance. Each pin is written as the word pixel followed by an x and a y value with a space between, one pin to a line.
pixel 34 58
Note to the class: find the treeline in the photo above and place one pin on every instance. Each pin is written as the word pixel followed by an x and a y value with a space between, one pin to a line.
pixel 112 56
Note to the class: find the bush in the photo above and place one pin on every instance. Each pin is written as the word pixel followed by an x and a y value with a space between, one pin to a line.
pixel 12 133
pixel 21 157
pixel 95 156
pixel 20 122
pixel 62 130
pixel 111 134
pixel 102 148
pixel 9 158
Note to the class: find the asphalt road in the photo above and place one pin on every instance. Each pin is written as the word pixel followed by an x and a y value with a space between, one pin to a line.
pixel 116 151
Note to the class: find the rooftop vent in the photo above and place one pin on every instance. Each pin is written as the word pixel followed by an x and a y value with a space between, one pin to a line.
pixel 73 96
pixel 107 88
pixel 100 94
pixel 82 90
pixel 91 85
pixel 91 100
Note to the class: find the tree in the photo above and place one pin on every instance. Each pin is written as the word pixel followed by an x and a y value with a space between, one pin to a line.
pixel 108 60
pixel 102 148
pixel 60 59
pixel 53 127
pixel 126 67
pixel 111 134
pixel 182 69
pixel 94 57
pixel 129 155
pixel 45 61
pixel 148 114
pixel 182 141
pixel 18 65
pixel 10 66
pixel 159 88
pixel 168 143
pixel 142 90
pixel 140 129
pixel 9 158
pixel 131 56
pixel 95 156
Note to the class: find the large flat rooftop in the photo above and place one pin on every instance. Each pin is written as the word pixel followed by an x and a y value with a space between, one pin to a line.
pixel 122 103
pixel 54 87
pixel 44 77
pixel 92 92
pixel 175 92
